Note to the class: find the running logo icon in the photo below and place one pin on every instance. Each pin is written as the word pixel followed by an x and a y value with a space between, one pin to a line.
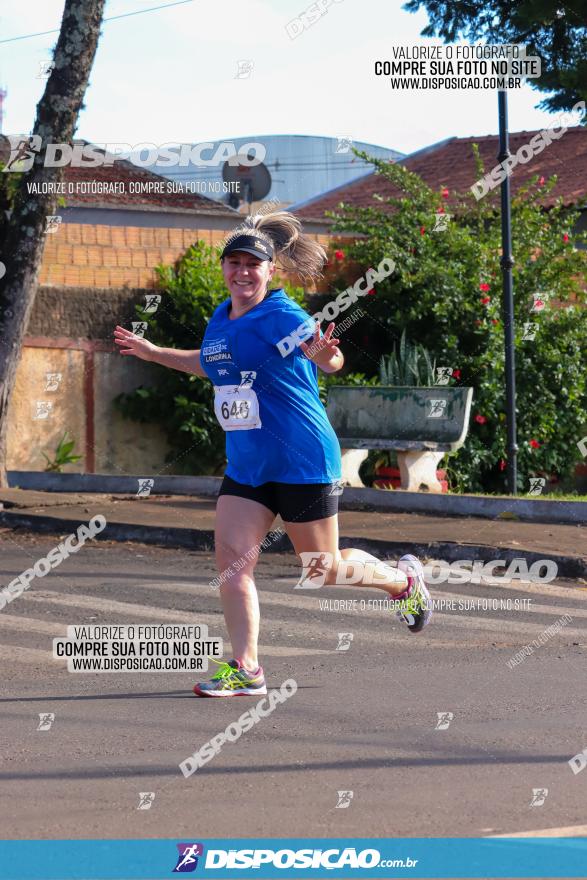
pixel 146 799
pixel 537 484
pixel 441 221
pixel 437 409
pixel 152 302
pixel 46 719
pixel 443 375
pixel 315 565
pixel 344 641
pixel 52 224
pixel 344 144
pixel 539 795
pixel 52 381
pixel 145 486
pixel 247 379
pixel 444 719
pixel 22 152
pixel 344 799
pixel 187 860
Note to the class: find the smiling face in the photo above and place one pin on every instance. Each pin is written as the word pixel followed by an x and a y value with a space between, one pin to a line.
pixel 246 277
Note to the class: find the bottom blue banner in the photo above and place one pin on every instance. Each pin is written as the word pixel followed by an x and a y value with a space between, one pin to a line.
pixel 299 857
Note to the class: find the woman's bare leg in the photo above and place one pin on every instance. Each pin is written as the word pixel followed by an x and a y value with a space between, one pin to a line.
pixel 321 537
pixel 241 525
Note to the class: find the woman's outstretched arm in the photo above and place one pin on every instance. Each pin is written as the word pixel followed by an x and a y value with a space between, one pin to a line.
pixel 177 359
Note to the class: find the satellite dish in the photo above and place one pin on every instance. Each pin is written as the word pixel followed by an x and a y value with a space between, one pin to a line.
pixel 250 183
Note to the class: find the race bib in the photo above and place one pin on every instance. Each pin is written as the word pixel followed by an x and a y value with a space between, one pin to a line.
pixel 236 407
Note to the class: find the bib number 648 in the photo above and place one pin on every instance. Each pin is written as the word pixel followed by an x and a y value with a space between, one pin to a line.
pixel 238 409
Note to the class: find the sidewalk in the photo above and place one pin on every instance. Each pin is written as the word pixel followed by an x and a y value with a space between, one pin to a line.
pixel 188 521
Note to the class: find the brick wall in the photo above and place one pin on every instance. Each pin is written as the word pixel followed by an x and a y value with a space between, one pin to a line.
pixel 82 255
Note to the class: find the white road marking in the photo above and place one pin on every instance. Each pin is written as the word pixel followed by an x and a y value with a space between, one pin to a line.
pixel 565 831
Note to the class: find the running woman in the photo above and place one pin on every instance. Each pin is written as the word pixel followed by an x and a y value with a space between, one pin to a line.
pixel 283 455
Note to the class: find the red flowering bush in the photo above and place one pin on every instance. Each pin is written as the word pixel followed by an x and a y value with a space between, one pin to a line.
pixel 434 294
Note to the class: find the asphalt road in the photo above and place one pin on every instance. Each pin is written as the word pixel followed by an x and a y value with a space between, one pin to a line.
pixel 362 720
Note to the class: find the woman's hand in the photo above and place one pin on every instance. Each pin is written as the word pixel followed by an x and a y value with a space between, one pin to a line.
pixel 130 343
pixel 323 351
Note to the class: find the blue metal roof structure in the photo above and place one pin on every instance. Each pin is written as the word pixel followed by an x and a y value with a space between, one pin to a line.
pixel 301 166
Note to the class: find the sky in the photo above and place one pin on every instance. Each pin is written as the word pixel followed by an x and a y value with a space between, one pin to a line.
pixel 170 75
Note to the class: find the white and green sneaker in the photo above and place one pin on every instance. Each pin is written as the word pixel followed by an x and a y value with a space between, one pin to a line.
pixel 232 680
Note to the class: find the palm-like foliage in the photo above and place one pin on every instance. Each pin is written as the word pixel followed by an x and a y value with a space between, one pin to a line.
pixel 412 365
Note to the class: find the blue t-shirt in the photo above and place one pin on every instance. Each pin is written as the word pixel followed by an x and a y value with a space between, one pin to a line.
pixel 295 443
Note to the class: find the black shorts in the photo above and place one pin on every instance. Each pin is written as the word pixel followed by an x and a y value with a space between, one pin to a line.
pixel 294 502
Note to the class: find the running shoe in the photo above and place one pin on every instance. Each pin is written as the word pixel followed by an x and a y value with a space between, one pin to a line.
pixel 416 608
pixel 232 680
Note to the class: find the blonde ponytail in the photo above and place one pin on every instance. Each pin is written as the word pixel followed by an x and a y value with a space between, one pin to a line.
pixel 294 250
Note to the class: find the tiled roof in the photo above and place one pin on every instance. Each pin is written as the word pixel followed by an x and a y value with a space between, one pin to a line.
pixel 451 164
pixel 124 172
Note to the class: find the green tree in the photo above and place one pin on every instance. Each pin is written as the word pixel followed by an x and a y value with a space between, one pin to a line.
pixel 556 32
pixel 23 240
pixel 446 294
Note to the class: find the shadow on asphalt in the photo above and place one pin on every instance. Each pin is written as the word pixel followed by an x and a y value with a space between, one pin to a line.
pixel 358 764
pixel 185 693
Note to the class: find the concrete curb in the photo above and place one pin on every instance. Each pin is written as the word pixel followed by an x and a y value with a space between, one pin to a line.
pixel 563 512
pixel 203 539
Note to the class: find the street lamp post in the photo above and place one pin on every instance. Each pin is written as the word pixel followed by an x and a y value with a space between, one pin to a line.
pixel 507 261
